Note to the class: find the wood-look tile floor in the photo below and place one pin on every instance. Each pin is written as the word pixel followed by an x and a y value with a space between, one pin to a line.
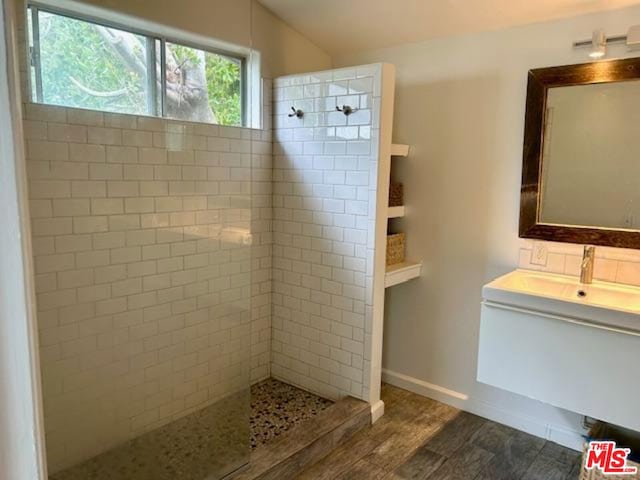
pixel 419 438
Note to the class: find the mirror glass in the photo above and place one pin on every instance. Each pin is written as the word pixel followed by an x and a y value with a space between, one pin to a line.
pixel 590 175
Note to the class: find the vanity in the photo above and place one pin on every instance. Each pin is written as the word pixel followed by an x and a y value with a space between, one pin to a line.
pixel 574 346
pixel 567 340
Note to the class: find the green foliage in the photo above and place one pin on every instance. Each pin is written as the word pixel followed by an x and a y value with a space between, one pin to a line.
pixel 223 81
pixel 74 49
pixel 184 54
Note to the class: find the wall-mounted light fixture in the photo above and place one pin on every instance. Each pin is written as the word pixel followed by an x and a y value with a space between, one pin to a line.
pixel 598 44
pixel 633 37
pixel 599 41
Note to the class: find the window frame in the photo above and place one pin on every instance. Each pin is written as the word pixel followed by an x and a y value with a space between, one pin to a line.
pixel 156 103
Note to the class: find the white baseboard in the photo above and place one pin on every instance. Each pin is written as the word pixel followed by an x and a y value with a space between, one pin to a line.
pixel 534 426
pixel 377 411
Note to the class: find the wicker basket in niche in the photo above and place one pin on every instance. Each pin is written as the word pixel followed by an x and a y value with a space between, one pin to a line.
pixel 395 248
pixel 396 195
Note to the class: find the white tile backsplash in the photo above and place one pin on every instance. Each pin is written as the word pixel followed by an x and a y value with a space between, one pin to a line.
pixel 611 264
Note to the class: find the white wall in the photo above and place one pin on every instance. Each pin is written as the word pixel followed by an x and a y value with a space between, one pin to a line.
pixel 460 104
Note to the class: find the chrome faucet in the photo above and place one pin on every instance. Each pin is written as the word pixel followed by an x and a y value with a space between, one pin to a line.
pixel 586 268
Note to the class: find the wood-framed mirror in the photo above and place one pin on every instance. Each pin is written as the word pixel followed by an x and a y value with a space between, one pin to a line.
pixel 581 157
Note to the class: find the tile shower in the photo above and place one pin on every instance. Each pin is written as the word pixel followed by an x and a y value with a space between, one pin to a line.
pixel 166 255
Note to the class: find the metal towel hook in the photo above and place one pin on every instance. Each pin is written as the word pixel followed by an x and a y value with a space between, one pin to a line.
pixel 296 113
pixel 346 109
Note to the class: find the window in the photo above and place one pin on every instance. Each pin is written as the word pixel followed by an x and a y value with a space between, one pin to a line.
pixel 203 86
pixel 78 62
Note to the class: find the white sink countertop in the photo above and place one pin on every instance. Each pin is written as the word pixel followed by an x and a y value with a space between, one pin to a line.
pixel 610 304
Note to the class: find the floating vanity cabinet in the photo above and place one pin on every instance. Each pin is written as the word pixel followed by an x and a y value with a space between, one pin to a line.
pixel 552 346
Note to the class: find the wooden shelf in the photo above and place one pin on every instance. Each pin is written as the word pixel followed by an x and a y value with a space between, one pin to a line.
pixel 402 272
pixel 395 212
pixel 399 150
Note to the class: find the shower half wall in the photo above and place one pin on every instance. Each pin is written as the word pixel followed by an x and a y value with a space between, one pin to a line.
pixel 330 181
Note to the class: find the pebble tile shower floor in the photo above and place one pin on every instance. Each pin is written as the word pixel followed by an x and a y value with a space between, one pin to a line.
pixel 277 407
pixel 208 441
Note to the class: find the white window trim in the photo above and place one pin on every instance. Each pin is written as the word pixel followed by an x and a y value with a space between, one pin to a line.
pixel 253 91
pixel 22 448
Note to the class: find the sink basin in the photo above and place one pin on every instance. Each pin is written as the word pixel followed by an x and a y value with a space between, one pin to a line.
pixel 603 303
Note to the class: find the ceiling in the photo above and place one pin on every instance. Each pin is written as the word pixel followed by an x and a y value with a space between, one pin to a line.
pixel 350 25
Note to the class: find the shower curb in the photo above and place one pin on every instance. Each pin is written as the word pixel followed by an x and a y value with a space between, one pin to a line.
pixel 308 442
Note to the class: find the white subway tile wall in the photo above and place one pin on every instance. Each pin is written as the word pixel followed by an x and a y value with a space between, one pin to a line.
pixel 324 200
pixel 142 296
pixel 144 270
pixel 611 264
